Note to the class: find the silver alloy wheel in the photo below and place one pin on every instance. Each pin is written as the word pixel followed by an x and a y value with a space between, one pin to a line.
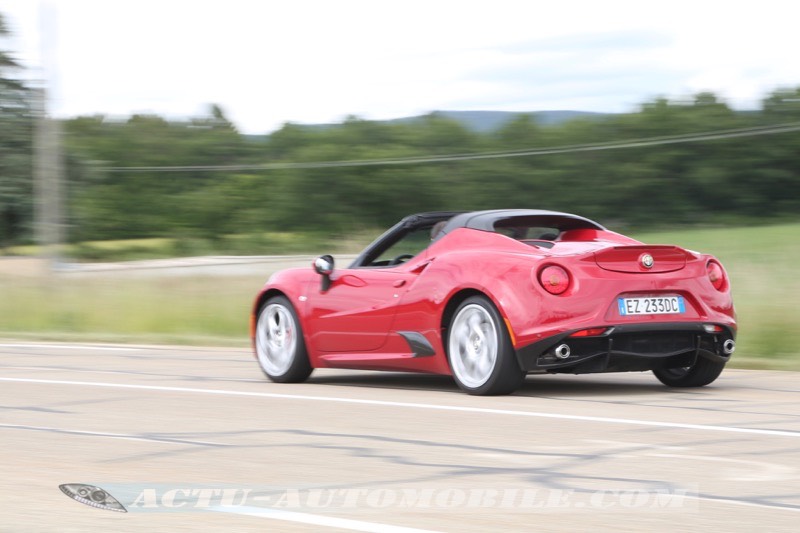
pixel 473 345
pixel 276 339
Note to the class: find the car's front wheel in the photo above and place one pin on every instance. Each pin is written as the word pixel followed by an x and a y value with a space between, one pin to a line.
pixel 479 350
pixel 703 372
pixel 280 348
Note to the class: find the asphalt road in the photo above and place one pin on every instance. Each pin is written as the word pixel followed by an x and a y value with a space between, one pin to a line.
pixel 192 439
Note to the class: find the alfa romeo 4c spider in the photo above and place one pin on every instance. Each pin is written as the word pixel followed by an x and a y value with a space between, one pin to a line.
pixel 490 296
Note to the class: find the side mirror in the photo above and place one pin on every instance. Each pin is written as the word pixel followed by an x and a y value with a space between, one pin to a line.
pixel 323 266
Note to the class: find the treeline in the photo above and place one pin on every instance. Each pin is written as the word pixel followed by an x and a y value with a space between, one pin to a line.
pixel 259 184
pixel 720 180
pixel 16 146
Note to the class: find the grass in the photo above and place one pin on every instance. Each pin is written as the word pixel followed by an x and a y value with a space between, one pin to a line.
pixel 761 262
pixel 118 308
pixel 268 243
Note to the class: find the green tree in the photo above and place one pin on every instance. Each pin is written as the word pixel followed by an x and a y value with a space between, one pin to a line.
pixel 16 141
pixel 749 178
pixel 783 105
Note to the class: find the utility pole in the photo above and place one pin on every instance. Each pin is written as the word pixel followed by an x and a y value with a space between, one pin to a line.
pixel 47 170
pixel 48 162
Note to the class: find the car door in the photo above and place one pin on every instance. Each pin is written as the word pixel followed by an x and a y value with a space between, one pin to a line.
pixel 356 313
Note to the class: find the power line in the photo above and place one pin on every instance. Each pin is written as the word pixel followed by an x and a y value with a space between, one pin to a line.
pixel 413 160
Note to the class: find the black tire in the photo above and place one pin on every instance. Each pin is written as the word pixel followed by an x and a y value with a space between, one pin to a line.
pixel 280 347
pixel 703 372
pixel 479 350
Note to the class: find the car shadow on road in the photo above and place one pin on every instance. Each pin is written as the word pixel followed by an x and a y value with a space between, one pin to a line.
pixel 534 385
pixel 387 380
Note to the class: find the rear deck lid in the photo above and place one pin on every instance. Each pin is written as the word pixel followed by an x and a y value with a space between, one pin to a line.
pixel 642 259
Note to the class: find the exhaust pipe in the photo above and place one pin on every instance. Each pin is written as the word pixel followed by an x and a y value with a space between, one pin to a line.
pixel 728 347
pixel 562 351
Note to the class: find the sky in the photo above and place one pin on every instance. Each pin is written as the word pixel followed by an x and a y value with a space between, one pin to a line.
pixel 305 61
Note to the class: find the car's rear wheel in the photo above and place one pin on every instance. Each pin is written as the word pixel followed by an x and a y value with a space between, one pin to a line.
pixel 479 350
pixel 703 372
pixel 280 348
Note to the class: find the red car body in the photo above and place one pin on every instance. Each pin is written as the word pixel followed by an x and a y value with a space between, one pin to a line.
pixel 570 297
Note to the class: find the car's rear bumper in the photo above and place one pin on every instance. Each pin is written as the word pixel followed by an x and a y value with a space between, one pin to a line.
pixel 629 347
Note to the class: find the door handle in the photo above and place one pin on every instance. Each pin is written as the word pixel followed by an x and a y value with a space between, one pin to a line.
pixel 399 283
pixel 422 266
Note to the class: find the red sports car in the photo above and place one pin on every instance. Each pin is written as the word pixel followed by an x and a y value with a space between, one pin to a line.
pixel 490 296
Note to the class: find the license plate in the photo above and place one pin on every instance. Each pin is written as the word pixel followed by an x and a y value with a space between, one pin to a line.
pixel 661 305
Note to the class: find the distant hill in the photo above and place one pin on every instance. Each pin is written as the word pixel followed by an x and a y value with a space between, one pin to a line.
pixel 488 121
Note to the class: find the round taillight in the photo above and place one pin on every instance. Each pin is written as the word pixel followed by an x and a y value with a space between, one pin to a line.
pixel 716 275
pixel 554 279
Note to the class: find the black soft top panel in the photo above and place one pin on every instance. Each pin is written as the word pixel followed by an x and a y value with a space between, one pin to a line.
pixel 491 220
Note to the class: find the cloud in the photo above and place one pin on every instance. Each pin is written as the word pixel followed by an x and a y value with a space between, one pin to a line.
pixel 318 61
pixel 610 71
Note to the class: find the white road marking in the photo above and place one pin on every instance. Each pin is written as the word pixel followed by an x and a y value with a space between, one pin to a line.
pixel 317 520
pixel 70 347
pixel 358 525
pixel 121 436
pixel 122 372
pixel 412 405
pixel 746 504
pixel 78 370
